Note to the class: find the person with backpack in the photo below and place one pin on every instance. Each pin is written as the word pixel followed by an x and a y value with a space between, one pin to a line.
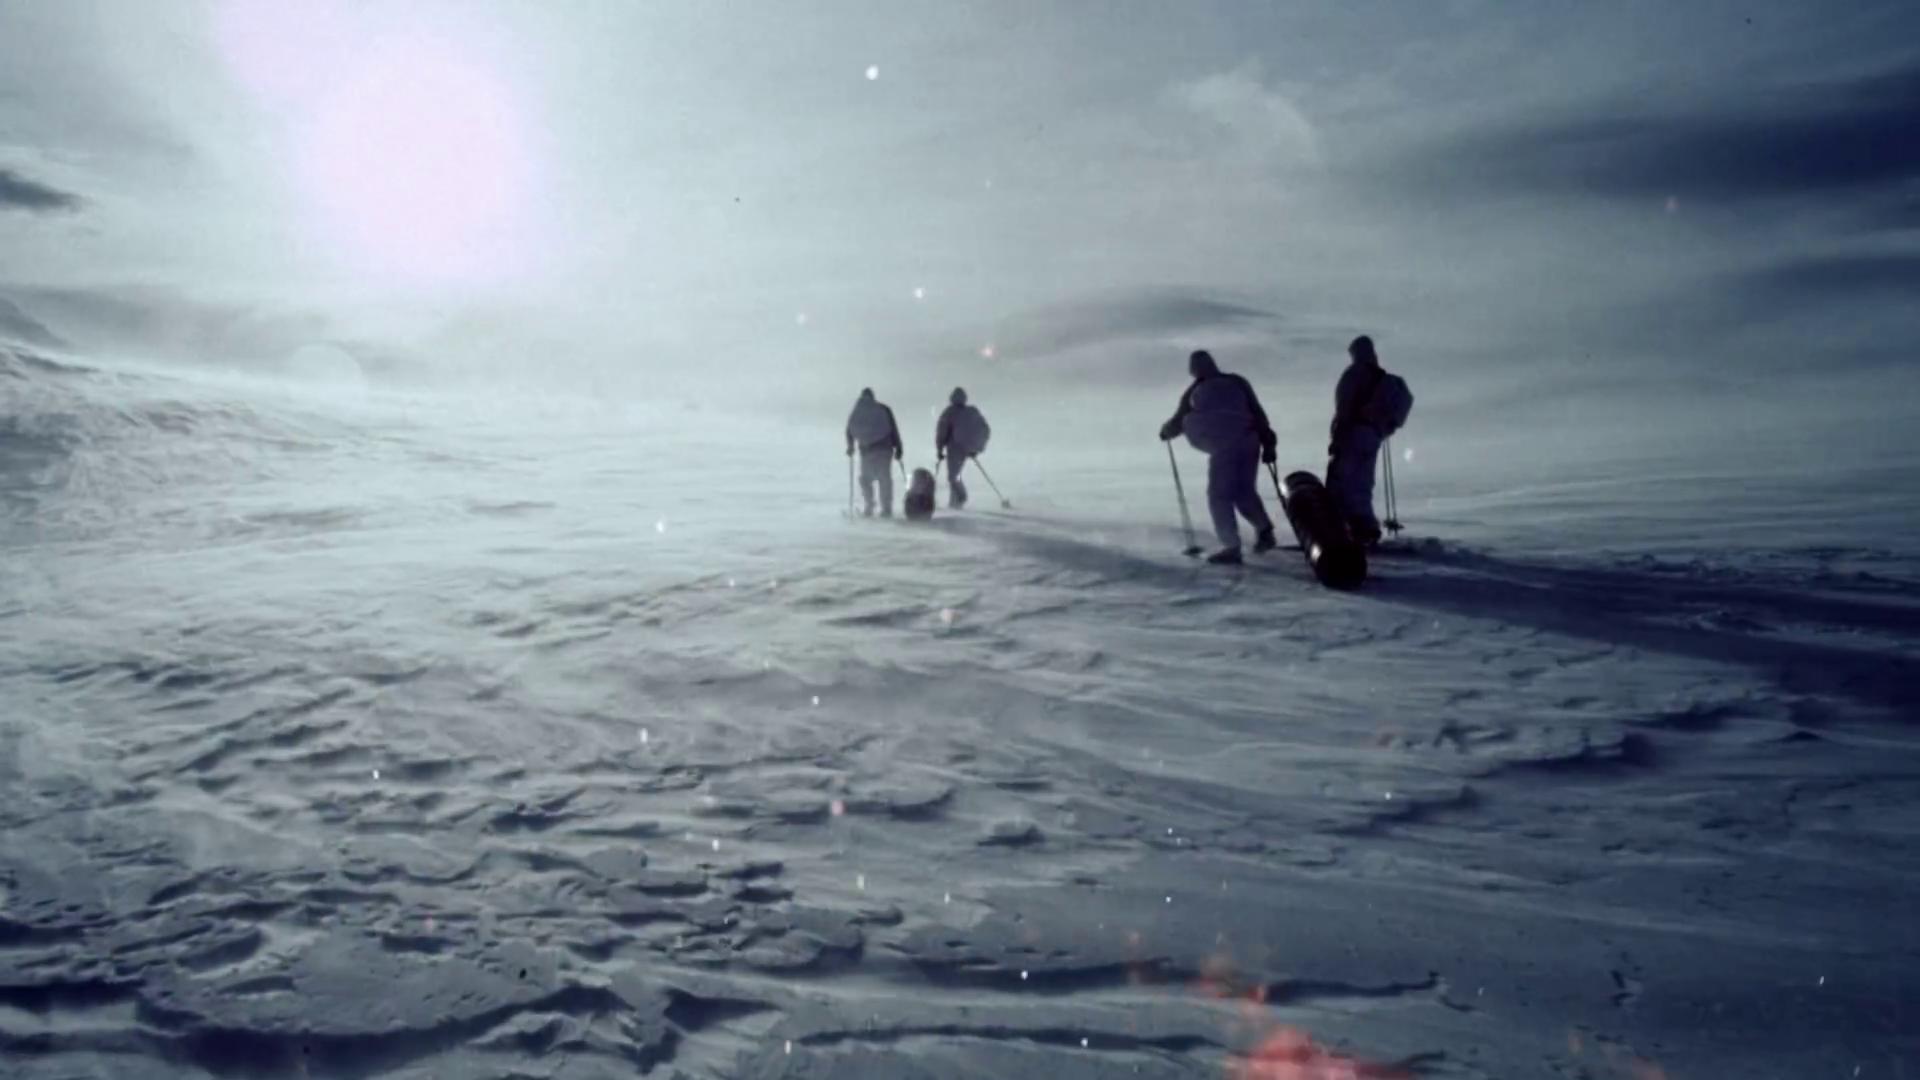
pixel 958 438
pixel 1222 418
pixel 871 429
pixel 1369 404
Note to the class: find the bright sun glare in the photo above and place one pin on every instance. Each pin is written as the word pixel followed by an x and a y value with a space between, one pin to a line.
pixel 410 150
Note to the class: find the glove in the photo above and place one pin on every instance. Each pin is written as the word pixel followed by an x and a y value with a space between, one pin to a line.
pixel 1169 430
pixel 849 449
pixel 899 454
pixel 1268 455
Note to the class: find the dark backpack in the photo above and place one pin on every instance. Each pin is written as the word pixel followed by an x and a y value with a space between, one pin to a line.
pixel 1389 405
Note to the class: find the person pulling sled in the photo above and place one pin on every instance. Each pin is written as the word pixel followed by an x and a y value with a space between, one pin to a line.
pixel 872 431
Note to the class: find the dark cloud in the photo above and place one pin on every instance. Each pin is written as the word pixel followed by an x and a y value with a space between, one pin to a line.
pixel 1897 216
pixel 1802 313
pixel 18 326
pixel 1810 139
pixel 19 193
pixel 1825 279
pixel 1156 314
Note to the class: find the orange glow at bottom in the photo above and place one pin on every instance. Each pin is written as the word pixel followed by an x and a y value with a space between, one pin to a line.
pixel 1288 1054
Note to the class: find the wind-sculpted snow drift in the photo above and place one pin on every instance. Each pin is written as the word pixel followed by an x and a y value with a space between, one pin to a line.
pixel 385 740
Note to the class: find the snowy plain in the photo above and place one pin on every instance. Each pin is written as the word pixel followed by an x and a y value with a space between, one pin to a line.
pixel 362 736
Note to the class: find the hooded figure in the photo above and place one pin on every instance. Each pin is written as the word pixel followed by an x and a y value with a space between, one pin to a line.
pixel 961 434
pixel 870 429
pixel 1222 418
pixel 1355 440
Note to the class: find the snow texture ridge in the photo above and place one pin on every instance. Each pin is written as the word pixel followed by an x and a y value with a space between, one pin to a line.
pixel 357 743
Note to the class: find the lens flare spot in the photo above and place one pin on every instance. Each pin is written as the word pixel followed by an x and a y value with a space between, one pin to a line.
pixel 1289 1054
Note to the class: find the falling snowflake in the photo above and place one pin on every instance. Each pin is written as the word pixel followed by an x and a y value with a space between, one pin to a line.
pixel 660 526
pixel 1023 976
pixel 860 882
pixel 1408 454
pixel 873 72
pixel 837 808
pixel 816 701
pixel 986 352
pixel 644 736
pixel 919 292
pixel 716 843
pixel 946 898
pixel 376 774
pixel 789 1046
pixel 800 319
pixel 946 616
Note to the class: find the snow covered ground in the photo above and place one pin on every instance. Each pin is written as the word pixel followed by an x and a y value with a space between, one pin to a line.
pixel 362 737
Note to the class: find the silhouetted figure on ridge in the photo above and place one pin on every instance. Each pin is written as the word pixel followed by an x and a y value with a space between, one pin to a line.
pixel 1369 404
pixel 871 430
pixel 1222 418
pixel 961 434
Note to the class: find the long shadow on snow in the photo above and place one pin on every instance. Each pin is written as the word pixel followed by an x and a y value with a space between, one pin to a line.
pixel 1640 610
pixel 1106 561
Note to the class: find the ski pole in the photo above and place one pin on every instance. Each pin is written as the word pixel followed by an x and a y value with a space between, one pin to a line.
pixel 1392 494
pixel 1278 492
pixel 1180 491
pixel 1005 504
pixel 849 484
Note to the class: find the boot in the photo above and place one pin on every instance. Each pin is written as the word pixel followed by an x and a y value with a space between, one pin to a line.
pixel 1264 542
pixel 1225 557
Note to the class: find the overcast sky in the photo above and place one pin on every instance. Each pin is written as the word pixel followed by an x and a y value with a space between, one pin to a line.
pixel 797 199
